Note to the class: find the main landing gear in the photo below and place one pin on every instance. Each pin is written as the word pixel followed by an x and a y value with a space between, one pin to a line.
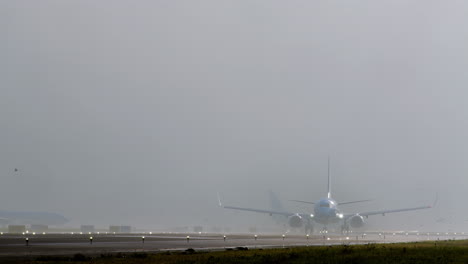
pixel 309 227
pixel 344 229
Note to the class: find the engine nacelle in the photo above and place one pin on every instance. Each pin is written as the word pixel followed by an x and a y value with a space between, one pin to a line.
pixel 356 221
pixel 295 221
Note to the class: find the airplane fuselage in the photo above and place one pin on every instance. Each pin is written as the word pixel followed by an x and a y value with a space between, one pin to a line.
pixel 326 212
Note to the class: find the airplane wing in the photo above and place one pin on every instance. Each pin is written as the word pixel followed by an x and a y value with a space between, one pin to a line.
pixel 258 210
pixel 300 201
pixel 270 212
pixel 352 202
pixel 383 212
pixel 287 214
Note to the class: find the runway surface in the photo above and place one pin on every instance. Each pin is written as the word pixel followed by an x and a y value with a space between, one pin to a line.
pixel 69 244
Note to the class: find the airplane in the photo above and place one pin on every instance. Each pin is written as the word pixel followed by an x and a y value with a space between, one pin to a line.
pixel 31 218
pixel 325 212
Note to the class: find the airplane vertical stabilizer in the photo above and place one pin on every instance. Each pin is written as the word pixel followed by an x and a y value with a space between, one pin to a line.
pixel 329 184
pixel 276 205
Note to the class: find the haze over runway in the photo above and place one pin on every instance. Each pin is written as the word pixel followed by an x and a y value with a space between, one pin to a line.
pixel 119 113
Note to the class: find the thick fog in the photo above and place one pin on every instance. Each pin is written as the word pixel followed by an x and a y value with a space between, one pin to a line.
pixel 124 112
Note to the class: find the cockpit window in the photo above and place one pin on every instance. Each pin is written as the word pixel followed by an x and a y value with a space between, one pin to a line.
pixel 327 205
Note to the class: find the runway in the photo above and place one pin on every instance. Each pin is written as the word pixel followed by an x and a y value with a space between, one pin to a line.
pixel 69 244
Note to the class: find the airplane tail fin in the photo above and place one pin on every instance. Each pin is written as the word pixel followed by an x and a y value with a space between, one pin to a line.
pixel 219 200
pixel 276 205
pixel 275 201
pixel 329 184
pixel 436 200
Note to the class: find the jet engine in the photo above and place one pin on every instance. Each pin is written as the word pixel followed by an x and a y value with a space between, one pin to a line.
pixel 295 221
pixel 356 221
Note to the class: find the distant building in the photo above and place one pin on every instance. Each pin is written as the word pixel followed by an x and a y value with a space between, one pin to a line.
pixel 87 228
pixel 120 229
pixel 39 228
pixel 16 229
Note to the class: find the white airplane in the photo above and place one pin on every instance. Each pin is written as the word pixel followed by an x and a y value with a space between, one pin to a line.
pixel 325 212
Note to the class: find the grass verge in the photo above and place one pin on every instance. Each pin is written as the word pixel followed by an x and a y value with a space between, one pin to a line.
pixel 420 252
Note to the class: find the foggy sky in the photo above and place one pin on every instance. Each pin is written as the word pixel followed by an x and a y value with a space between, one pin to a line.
pixel 123 112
